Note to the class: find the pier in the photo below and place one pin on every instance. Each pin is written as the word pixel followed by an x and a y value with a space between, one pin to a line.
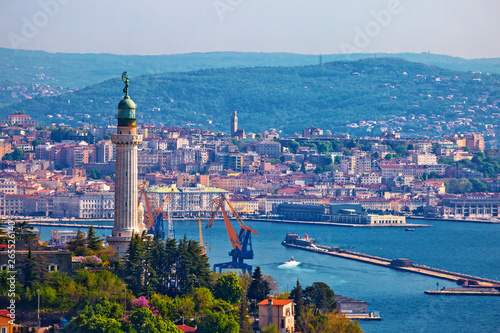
pixel 399 264
pixel 463 291
pixel 66 224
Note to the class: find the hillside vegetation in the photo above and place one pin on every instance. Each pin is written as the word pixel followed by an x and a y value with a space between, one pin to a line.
pixel 80 70
pixel 287 98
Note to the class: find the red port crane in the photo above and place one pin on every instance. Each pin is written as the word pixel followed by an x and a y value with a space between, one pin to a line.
pixel 154 214
pixel 241 242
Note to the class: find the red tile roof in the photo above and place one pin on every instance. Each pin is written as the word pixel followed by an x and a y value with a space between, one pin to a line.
pixel 276 301
pixel 186 329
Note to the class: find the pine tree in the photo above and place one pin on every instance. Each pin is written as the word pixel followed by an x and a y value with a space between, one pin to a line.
pixel 134 266
pixel 93 242
pixel 32 269
pixel 259 288
pixel 24 232
pixel 171 254
pixel 159 264
pixel 297 294
pixel 149 272
pixel 79 241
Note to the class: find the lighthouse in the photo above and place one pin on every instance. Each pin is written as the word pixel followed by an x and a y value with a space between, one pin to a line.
pixel 128 214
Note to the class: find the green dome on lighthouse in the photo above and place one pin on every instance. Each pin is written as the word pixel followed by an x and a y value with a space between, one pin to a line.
pixel 126 107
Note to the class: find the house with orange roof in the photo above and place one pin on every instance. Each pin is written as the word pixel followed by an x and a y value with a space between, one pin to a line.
pixel 6 322
pixel 278 311
pixel 186 329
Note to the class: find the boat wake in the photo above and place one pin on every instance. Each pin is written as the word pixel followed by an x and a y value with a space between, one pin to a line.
pixel 290 264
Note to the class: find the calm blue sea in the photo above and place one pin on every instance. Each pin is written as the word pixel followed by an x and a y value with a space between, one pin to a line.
pixel 397 296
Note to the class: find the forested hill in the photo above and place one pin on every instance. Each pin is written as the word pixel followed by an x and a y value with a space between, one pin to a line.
pixel 288 98
pixel 71 70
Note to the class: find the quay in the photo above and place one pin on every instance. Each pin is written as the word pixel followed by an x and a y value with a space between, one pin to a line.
pixel 360 316
pixel 293 241
pixel 64 224
pixel 338 224
pixel 464 291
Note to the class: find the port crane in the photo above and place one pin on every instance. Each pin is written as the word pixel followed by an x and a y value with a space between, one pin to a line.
pixel 154 213
pixel 241 242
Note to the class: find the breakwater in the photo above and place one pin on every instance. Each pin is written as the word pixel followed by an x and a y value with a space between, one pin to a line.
pixel 65 224
pixel 399 264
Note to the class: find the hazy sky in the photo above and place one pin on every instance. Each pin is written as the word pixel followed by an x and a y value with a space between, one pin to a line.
pixel 464 28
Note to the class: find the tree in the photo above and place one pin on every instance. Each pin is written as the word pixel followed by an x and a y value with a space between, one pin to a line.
pixel 478 186
pixel 293 167
pixel 24 232
pixel 244 322
pixel 321 295
pixel 144 321
pixel 388 157
pixel 312 322
pixel 103 317
pixel 95 173
pixel 400 150
pixel 217 322
pixel 433 174
pixel 33 270
pixel 227 288
pixel 271 328
pixel 293 145
pixel 458 186
pixel 78 244
pixel 18 154
pixel 338 159
pixel 36 142
pixel 93 242
pixel 303 168
pixel 134 265
pixel 297 294
pixel 258 288
pixel 7 157
pixel 328 160
pixel 318 170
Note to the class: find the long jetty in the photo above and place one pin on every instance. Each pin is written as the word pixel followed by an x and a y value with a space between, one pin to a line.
pixel 389 263
pixel 65 224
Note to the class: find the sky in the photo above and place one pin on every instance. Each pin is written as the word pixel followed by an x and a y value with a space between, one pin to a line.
pixel 462 28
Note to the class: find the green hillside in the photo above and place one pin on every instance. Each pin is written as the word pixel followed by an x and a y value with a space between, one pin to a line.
pixel 80 70
pixel 286 98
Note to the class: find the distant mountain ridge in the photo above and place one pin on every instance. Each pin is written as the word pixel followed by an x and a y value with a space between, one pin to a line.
pixel 80 70
pixel 339 96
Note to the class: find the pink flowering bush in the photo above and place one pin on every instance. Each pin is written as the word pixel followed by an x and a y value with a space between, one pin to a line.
pixel 92 261
pixel 142 302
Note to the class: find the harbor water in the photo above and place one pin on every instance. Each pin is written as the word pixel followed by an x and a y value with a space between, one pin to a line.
pixel 470 248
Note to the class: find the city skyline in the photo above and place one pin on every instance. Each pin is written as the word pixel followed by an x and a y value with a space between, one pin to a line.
pixel 320 27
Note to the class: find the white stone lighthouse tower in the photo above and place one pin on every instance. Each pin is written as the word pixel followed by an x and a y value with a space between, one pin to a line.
pixel 127 220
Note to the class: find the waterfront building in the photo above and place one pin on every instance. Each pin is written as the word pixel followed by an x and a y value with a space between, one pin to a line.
pixel 126 214
pixel 474 206
pixel 187 201
pixel 349 305
pixel 342 213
